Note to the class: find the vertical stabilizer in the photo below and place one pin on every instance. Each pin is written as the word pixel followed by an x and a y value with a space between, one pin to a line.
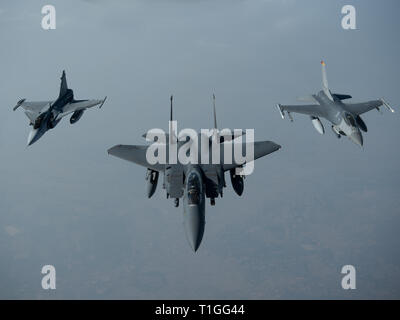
pixel 215 133
pixel 63 86
pixel 215 113
pixel 325 86
pixel 172 137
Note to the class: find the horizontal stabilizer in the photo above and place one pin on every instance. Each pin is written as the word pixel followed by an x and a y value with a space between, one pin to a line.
pixel 342 96
pixel 261 149
pixel 222 138
pixel 144 135
pixel 135 154
pixel 226 137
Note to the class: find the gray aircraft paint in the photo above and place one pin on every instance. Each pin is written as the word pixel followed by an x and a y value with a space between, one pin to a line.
pixel 307 211
pixel 210 178
pixel 342 116
pixel 45 115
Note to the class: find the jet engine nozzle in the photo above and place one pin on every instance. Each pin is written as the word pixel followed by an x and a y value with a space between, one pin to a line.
pixel 76 116
pixel 317 125
pixel 152 179
pixel 237 182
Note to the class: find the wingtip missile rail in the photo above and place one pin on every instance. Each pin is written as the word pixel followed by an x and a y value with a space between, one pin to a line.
pixel 387 105
pixel 19 104
pixel 282 113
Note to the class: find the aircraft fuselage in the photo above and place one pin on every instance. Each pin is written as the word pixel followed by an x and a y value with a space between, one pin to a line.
pixel 343 121
pixel 48 119
pixel 194 206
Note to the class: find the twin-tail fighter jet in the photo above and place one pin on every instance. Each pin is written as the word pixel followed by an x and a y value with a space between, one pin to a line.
pixel 193 182
pixel 45 115
pixel 344 117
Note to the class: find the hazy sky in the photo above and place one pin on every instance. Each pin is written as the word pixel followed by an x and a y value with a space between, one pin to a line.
pixel 315 205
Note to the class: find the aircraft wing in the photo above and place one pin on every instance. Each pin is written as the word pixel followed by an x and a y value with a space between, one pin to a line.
pixel 135 154
pixel 33 108
pixel 261 149
pixel 222 138
pixel 360 108
pixel 315 110
pixel 80 105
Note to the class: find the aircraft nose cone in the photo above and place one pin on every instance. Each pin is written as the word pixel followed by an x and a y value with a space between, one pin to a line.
pixel 357 138
pixel 32 136
pixel 194 226
pixel 35 135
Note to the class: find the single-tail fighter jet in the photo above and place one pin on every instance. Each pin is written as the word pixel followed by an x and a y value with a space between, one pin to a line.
pixel 45 115
pixel 192 182
pixel 344 117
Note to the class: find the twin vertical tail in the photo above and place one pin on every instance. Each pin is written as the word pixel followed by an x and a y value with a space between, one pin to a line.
pixel 215 113
pixel 172 136
pixel 172 98
pixel 215 131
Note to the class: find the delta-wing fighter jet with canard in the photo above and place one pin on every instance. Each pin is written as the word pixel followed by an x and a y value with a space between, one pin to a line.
pixel 45 115
pixel 345 118
pixel 194 182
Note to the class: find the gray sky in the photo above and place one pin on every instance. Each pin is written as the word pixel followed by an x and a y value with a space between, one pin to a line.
pixel 317 204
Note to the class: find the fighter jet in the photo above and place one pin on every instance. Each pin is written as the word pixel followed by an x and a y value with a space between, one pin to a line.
pixel 45 115
pixel 344 117
pixel 192 182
